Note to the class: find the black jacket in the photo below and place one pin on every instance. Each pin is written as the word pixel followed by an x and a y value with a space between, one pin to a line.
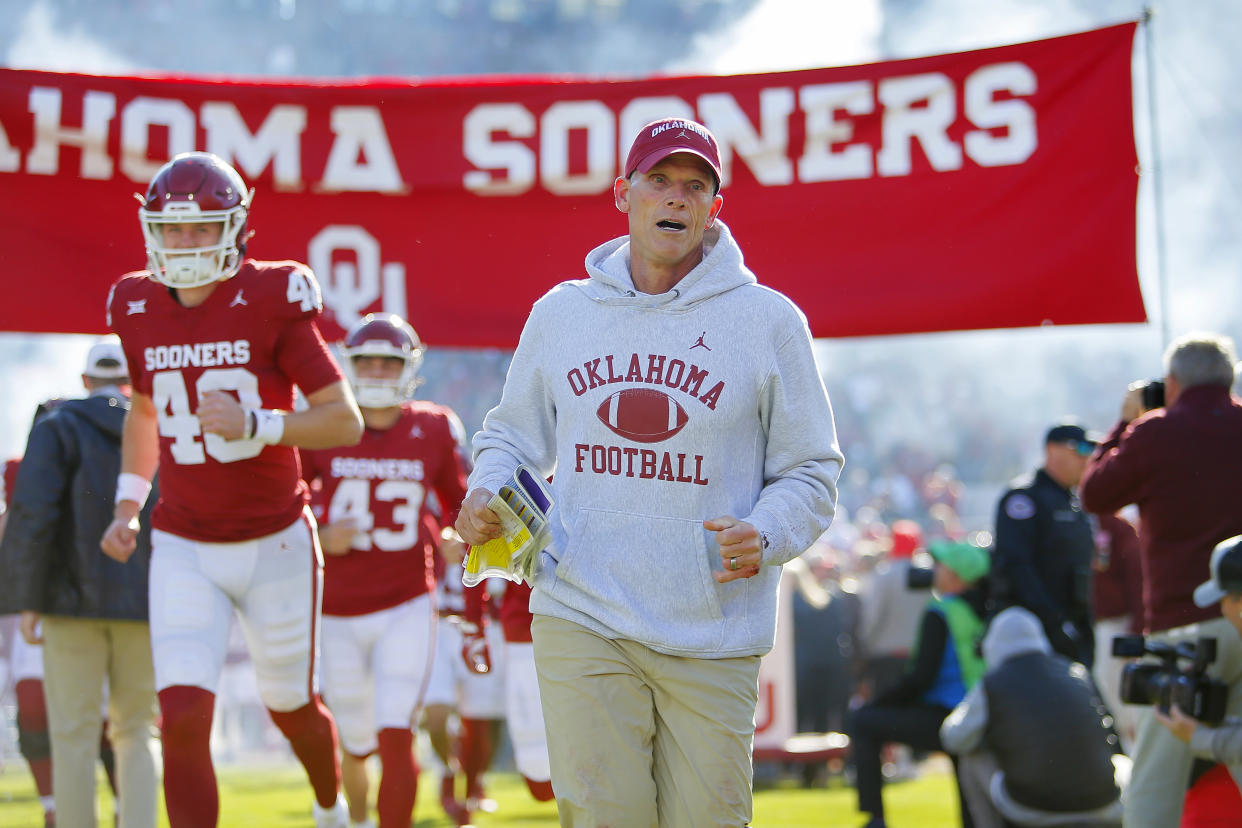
pixel 50 556
pixel 1045 544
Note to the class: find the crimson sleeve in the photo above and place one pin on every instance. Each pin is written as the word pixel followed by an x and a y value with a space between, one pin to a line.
pixel 10 479
pixel 477 600
pixel 303 356
pixel 450 485
pixel 1117 472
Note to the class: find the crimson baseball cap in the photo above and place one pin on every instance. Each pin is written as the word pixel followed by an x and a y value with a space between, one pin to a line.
pixel 660 139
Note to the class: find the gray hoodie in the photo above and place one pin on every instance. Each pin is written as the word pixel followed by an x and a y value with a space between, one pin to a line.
pixel 654 413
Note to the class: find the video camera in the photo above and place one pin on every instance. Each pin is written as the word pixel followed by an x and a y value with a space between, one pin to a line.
pixel 1162 683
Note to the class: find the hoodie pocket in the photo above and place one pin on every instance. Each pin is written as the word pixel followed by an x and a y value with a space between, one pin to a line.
pixel 645 576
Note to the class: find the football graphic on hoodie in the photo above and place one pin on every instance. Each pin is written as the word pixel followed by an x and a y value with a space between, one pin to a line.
pixel 643 415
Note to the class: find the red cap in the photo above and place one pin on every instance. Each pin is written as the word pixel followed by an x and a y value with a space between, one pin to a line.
pixel 660 139
pixel 907 538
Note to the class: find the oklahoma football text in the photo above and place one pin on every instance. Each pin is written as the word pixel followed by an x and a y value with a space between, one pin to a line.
pixel 627 461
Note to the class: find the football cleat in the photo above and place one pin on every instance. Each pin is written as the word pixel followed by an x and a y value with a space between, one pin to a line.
pixel 477 798
pixel 453 808
pixel 335 817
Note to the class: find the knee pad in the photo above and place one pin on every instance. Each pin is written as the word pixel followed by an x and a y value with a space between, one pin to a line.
pixel 285 641
pixel 185 714
pixel 395 744
pixel 294 724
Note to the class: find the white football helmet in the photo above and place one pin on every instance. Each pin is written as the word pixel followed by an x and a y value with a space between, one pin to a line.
pixel 195 188
pixel 383 335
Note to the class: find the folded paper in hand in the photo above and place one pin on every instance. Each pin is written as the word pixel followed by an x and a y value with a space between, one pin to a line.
pixel 523 505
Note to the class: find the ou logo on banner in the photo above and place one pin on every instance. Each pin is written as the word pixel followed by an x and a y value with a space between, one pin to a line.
pixel 351 287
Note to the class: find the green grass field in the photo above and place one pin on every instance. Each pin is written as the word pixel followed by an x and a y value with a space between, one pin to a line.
pixel 278 796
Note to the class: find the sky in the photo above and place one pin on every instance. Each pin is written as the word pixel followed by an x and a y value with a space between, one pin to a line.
pixel 1192 283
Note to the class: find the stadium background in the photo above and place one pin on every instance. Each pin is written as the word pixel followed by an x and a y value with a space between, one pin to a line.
pixel 971 404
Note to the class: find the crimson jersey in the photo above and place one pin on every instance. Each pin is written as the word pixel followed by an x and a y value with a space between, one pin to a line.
pixel 254 336
pixel 513 611
pixel 515 615
pixel 383 483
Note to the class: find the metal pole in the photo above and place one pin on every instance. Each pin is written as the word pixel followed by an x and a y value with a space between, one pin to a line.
pixel 1157 181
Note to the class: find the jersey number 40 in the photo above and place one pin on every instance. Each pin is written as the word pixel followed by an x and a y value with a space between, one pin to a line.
pixel 172 405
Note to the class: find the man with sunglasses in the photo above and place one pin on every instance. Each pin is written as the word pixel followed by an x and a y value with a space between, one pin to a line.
pixel 1045 544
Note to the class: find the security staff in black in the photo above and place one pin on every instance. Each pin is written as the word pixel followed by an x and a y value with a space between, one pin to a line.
pixel 1045 543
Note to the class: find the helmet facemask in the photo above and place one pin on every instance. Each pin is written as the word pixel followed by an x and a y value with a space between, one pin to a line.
pixel 194 266
pixel 374 392
pixel 389 336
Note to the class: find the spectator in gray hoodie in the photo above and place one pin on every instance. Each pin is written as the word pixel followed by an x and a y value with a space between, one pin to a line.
pixel 1032 745
pixel 694 451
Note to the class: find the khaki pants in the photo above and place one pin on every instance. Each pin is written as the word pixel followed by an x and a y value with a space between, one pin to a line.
pixel 78 655
pixel 637 738
pixel 1162 762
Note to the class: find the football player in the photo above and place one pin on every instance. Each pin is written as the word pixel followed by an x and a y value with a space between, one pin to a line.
pixel 467 686
pixel 378 616
pixel 523 711
pixel 26 669
pixel 217 344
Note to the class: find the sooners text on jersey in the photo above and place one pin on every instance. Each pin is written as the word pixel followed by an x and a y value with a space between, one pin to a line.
pixel 382 484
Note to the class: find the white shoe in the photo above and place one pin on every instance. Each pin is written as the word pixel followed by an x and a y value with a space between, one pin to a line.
pixel 335 817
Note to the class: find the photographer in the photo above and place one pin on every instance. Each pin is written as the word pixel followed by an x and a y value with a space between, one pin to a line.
pixel 1179 464
pixel 1214 798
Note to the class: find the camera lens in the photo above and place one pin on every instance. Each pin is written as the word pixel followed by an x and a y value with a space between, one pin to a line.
pixel 1153 394
pixel 919 578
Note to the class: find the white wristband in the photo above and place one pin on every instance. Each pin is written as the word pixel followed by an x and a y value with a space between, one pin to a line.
pixel 265 425
pixel 133 487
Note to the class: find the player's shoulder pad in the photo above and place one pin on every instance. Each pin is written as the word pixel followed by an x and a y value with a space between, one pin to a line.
pixel 287 289
pixel 456 429
pixel 129 296
pixel 443 416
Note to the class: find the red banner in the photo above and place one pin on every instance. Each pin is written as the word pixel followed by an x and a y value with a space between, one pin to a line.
pixel 984 189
